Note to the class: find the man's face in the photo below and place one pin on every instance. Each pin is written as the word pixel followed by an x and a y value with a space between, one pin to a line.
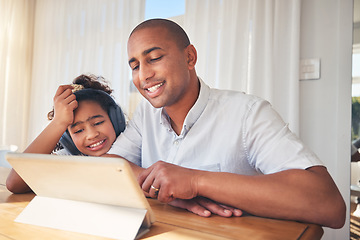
pixel 159 68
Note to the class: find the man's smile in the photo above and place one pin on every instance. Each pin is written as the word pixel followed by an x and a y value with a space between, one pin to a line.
pixel 154 88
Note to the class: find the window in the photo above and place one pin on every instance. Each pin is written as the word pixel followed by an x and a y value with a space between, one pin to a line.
pixel 164 8
pixel 355 131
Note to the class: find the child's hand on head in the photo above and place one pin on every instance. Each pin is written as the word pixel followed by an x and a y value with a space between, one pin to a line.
pixel 64 105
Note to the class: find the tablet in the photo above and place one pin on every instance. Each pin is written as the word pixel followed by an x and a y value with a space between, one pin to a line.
pixel 99 180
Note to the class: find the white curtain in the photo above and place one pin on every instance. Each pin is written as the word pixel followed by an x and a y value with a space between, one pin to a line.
pixel 251 46
pixel 246 45
pixel 45 43
pixel 16 39
pixel 76 37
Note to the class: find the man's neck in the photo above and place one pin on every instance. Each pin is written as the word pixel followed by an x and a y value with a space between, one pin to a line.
pixel 179 111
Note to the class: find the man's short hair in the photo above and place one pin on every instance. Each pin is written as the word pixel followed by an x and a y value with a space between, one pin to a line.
pixel 174 30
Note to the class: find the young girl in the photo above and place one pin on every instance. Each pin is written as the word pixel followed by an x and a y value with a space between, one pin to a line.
pixel 84 122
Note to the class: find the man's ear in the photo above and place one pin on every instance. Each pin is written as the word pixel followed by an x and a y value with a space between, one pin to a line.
pixel 191 56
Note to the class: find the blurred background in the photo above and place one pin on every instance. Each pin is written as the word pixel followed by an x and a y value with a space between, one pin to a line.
pixel 297 54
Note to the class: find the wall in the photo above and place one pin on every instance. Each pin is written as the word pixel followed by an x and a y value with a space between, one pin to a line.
pixel 356 37
pixel 325 111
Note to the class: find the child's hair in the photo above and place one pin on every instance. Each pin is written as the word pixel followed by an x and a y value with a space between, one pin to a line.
pixel 88 81
pixel 93 82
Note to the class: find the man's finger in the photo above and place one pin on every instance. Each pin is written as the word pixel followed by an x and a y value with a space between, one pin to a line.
pixel 191 206
pixel 214 207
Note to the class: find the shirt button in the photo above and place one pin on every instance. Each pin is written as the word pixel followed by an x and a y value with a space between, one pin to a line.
pixel 176 142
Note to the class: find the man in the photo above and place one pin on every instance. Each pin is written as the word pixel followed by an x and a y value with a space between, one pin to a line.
pixel 204 149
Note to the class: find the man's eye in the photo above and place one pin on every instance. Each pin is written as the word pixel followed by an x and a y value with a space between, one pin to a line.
pixel 135 67
pixel 156 59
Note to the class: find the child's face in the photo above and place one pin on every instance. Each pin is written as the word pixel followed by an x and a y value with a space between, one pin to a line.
pixel 92 130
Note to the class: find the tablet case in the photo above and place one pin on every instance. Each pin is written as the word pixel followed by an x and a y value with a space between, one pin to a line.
pixel 93 195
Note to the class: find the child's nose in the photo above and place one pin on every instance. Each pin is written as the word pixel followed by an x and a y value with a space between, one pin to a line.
pixel 92 133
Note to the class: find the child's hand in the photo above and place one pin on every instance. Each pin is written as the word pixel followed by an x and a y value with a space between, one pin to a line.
pixel 64 105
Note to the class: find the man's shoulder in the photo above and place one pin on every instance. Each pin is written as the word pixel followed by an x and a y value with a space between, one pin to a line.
pixel 233 97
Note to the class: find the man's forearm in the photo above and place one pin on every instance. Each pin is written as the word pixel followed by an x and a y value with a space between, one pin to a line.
pixel 304 195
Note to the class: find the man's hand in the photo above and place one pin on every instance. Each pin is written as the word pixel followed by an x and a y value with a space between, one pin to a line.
pixel 172 182
pixel 205 207
pixel 178 187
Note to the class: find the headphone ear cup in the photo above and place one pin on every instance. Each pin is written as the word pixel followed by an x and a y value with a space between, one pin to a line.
pixel 117 119
pixel 67 142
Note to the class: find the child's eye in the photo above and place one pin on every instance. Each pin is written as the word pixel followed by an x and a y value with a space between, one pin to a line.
pixel 99 123
pixel 78 131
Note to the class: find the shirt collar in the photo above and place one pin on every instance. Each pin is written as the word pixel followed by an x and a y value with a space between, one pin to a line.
pixel 194 112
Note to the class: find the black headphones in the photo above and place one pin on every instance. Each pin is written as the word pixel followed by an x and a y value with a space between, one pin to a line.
pixel 114 111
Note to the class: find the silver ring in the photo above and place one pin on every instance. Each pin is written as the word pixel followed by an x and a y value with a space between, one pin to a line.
pixel 155 189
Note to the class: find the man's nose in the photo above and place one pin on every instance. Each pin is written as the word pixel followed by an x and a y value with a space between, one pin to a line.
pixel 145 72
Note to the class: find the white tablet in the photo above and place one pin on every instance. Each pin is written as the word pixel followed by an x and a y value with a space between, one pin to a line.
pixel 98 180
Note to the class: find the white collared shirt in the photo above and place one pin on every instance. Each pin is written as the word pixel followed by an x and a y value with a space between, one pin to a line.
pixel 224 131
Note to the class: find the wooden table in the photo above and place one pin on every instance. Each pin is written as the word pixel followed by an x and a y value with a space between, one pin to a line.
pixel 171 223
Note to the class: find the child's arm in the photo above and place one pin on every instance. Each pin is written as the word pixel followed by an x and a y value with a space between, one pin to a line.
pixel 64 105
